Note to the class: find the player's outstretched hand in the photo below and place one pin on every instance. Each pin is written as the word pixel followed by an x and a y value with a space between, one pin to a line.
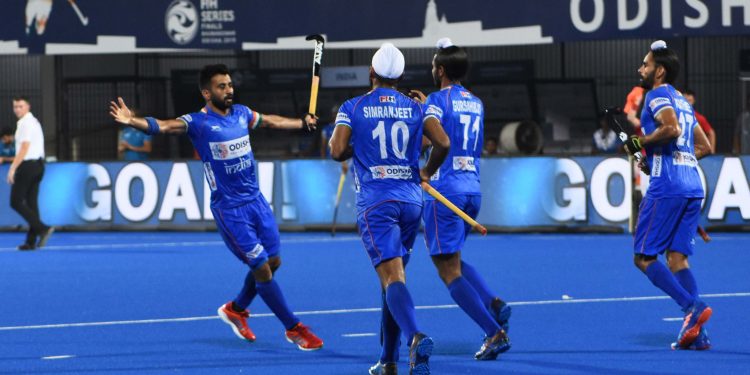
pixel 418 96
pixel 309 121
pixel 120 112
pixel 633 145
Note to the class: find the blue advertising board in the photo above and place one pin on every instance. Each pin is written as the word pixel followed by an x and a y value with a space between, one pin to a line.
pixel 519 193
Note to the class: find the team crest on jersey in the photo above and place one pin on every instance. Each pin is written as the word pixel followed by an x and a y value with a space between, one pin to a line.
pixel 387 99
pixel 466 94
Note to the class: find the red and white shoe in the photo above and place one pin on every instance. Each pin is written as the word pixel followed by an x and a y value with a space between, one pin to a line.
pixel 301 336
pixel 236 320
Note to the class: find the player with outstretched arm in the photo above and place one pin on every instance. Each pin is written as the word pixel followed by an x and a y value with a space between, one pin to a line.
pixel 220 133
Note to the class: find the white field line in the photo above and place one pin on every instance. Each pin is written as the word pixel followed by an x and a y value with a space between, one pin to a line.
pixel 147 245
pixel 359 334
pixel 66 356
pixel 362 310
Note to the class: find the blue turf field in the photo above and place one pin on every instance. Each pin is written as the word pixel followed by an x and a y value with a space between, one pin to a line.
pixel 152 299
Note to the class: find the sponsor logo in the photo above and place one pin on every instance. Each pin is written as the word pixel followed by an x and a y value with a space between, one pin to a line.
pixel 465 94
pixel 387 99
pixel 215 128
pixel 434 110
pixel 464 163
pixel 684 158
pixel 255 252
pixel 656 169
pixel 658 102
pixel 397 172
pixel 187 118
pixel 231 149
pixel 182 21
pixel 210 176
pixel 342 117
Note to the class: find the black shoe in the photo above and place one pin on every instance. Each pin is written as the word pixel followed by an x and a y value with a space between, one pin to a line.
pixel 45 236
pixel 493 346
pixel 26 247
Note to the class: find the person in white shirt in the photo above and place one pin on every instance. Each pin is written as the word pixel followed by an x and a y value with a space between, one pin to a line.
pixel 26 172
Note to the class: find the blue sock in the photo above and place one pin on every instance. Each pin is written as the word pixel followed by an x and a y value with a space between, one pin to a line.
pixel 686 279
pixel 272 296
pixel 664 280
pixel 402 308
pixel 468 299
pixel 480 286
pixel 390 335
pixel 248 292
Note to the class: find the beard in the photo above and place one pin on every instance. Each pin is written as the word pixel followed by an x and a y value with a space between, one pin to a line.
pixel 436 80
pixel 648 82
pixel 222 104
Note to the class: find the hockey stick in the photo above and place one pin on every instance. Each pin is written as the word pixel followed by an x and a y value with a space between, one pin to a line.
pixel 84 19
pixel 317 60
pixel 338 200
pixel 436 194
pixel 623 135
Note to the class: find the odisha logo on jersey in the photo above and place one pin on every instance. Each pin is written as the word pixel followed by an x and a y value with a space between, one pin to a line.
pixel 181 21
pixel 219 150
pixel 378 172
pixel 399 172
pixel 387 99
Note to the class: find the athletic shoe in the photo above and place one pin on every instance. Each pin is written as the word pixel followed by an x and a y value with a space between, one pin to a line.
pixel 26 247
pixel 696 316
pixel 381 368
pixel 493 346
pixel 44 237
pixel 303 338
pixel 700 343
pixel 236 320
pixel 419 354
pixel 501 313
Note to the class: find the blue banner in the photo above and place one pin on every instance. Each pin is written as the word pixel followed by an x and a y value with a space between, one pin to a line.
pixel 95 26
pixel 517 193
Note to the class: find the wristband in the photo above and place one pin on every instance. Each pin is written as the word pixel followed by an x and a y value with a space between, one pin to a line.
pixel 153 126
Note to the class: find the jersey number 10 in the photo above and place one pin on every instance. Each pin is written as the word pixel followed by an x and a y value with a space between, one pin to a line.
pixel 399 150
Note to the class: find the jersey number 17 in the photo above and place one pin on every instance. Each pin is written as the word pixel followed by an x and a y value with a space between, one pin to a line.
pixel 470 133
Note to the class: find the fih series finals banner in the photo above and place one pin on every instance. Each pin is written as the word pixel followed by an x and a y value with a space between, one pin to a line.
pixel 527 192
pixel 98 26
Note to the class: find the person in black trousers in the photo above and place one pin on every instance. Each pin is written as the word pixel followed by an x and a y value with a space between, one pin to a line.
pixel 26 172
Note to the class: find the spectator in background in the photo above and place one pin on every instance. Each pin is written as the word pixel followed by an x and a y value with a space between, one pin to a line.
pixel 326 132
pixel 605 140
pixel 133 144
pixel 8 145
pixel 741 144
pixel 490 147
pixel 632 107
pixel 702 121
pixel 26 172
